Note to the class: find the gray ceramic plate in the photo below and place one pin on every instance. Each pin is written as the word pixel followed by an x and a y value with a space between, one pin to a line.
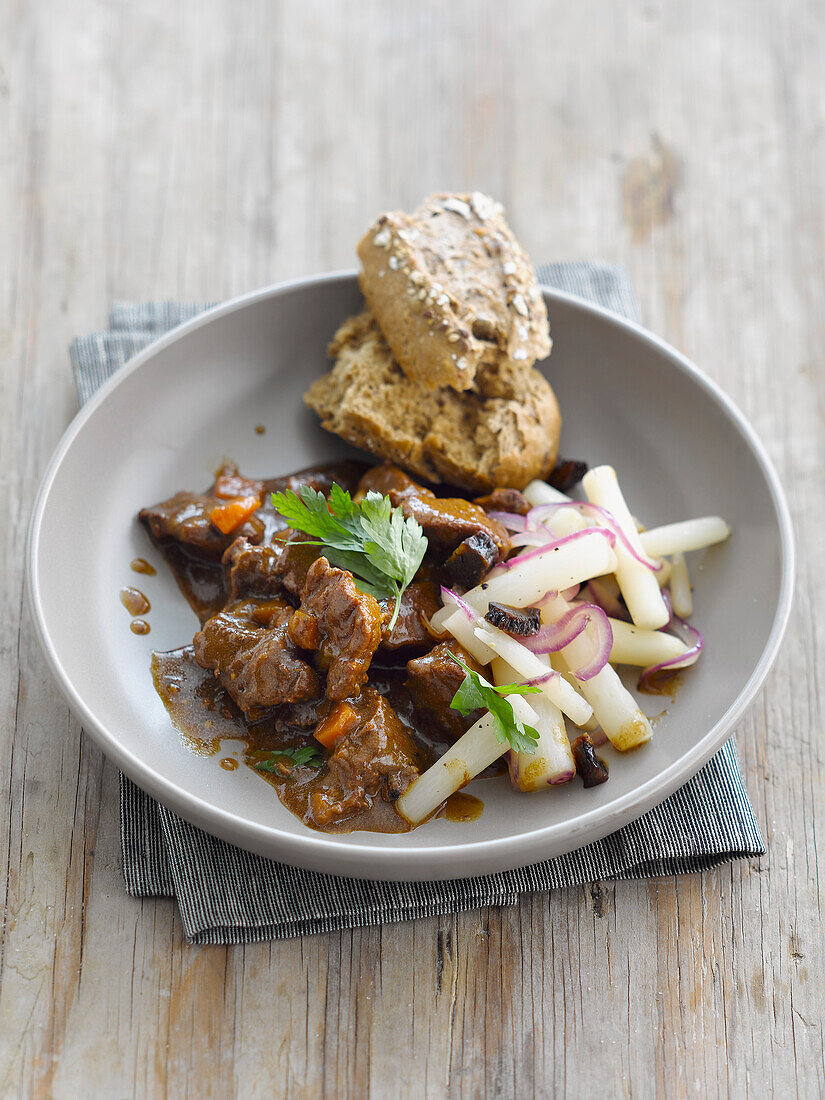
pixel 193 397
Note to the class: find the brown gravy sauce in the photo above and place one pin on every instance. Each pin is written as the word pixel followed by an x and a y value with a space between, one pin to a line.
pixel 462 807
pixel 134 601
pixel 140 565
pixel 139 626
pixel 663 683
pixel 205 715
pixel 229 764
pixel 203 582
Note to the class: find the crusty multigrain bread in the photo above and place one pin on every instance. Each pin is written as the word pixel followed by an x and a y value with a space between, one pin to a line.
pixel 451 288
pixel 502 431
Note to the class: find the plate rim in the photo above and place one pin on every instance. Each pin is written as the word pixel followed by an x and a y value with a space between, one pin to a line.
pixel 328 852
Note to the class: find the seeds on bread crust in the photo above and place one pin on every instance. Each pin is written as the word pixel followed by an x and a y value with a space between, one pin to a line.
pixel 455 291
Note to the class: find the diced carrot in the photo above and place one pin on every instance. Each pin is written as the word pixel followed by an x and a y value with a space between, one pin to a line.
pixel 340 720
pixel 228 517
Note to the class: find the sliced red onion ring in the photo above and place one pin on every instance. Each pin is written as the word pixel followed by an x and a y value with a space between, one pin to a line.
pixel 554 780
pixel 570 593
pixel 548 597
pixel 599 595
pixel 602 637
pixel 511 520
pixel 545 678
pixel 684 661
pixel 540 513
pixel 448 596
pixel 543 512
pixel 559 778
pixel 519 559
pixel 603 643
pixel 557 635
pixel 539 537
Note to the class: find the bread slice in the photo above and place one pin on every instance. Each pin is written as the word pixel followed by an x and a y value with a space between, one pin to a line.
pixel 451 288
pixel 504 430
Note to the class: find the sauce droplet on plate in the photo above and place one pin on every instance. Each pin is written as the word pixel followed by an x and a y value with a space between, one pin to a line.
pixel 139 626
pixel 229 764
pixel 662 683
pixel 260 429
pixel 141 565
pixel 463 807
pixel 134 601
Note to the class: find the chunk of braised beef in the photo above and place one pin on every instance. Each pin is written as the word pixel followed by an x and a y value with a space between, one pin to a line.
pixel 374 758
pixel 253 570
pixel 448 521
pixel 419 603
pixel 471 559
pixel 592 769
pixel 521 622
pixel 566 474
pixel 272 611
pixel 433 680
pixel 392 482
pixel 504 500
pixel 184 519
pixel 257 664
pixel 294 563
pixel 341 623
pixel 346 474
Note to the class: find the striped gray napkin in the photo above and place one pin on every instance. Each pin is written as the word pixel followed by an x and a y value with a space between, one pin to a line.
pixel 226 895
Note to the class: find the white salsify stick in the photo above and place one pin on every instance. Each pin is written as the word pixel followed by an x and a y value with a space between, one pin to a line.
pixel 634 646
pixel 614 708
pixel 440 617
pixel 690 534
pixel 638 583
pixel 555 567
pixel 664 571
pixel 463 630
pixel 551 761
pixel 566 520
pixel 531 667
pixel 681 595
pixel 591 725
pixel 539 492
pixel 470 755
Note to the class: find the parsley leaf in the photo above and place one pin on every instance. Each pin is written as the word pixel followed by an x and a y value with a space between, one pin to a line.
pixel 310 755
pixel 374 541
pixel 475 692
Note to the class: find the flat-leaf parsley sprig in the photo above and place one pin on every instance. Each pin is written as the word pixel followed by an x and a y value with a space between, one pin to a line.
pixel 273 761
pixel 475 693
pixel 374 541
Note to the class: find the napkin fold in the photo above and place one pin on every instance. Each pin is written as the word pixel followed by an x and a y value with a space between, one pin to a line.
pixel 226 895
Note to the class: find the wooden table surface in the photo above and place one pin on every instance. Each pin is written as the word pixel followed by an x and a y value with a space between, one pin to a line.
pixel 199 149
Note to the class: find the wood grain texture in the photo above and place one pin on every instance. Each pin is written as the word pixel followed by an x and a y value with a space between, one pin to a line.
pixel 196 150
